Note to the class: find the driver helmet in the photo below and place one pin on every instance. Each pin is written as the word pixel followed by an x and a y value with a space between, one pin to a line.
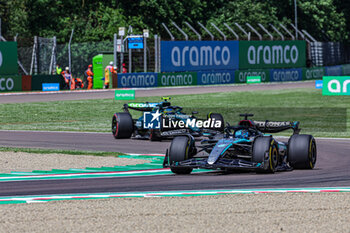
pixel 243 134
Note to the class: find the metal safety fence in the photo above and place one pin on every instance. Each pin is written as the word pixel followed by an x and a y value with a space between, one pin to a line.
pixel 329 53
pixel 43 55
pixel 44 59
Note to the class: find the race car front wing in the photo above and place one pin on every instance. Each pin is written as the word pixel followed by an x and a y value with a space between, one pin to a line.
pixel 220 164
pixel 236 164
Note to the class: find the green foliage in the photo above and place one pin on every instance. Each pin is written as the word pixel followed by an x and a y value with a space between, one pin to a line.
pixel 245 11
pixel 325 18
pixel 96 20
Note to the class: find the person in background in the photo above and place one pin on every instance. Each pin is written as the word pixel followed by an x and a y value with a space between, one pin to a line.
pixel 78 83
pixel 108 70
pixel 66 75
pixel 58 69
pixel 115 77
pixel 70 84
pixel 124 69
pixel 90 75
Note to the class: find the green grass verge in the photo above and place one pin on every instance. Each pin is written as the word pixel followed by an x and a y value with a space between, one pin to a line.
pixel 319 115
pixel 54 151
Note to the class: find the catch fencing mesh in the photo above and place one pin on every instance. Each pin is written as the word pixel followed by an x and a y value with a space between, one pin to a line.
pixel 45 55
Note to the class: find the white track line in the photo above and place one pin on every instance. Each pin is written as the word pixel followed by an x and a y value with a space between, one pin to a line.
pixel 320 138
pixel 45 198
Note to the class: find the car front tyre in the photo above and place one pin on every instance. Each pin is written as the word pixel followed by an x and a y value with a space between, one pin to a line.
pixel 180 150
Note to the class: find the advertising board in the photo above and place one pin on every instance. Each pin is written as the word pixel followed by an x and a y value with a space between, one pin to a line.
pixel 272 54
pixel 336 85
pixel 130 80
pixel 284 75
pixel 334 70
pixel 8 58
pixel 241 75
pixel 124 94
pixel 177 79
pixel 10 83
pixel 199 55
pixel 215 77
pixel 313 73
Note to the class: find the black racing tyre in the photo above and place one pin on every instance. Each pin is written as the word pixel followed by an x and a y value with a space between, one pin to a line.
pixel 180 150
pixel 122 125
pixel 302 151
pixel 261 146
pixel 218 117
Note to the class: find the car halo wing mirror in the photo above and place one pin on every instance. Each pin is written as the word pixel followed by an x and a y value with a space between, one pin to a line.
pixel 165 98
pixel 246 115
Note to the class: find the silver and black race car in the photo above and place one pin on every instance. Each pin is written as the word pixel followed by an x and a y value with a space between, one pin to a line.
pixel 161 121
pixel 246 146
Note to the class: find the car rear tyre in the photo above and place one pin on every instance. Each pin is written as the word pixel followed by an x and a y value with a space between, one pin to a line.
pixel 180 150
pixel 218 117
pixel 122 125
pixel 265 151
pixel 302 151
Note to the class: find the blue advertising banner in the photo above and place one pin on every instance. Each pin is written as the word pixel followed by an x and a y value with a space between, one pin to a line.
pixel 215 77
pixel 51 86
pixel 284 75
pixel 135 43
pixel 318 84
pixel 334 70
pixel 137 80
pixel 199 55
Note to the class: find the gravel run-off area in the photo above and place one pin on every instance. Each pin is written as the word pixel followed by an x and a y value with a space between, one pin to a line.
pixel 293 212
pixel 27 162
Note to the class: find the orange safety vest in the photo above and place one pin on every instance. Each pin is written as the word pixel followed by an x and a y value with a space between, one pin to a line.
pixel 89 73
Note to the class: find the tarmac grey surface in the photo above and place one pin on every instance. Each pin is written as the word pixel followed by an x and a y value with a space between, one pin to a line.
pixel 109 94
pixel 332 168
pixel 79 141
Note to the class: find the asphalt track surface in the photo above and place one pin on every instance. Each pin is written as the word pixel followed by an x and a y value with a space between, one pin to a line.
pixel 332 168
pixel 169 91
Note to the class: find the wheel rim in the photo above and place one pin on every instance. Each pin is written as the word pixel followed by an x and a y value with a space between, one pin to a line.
pixel 115 126
pixel 187 148
pixel 274 157
pixel 312 154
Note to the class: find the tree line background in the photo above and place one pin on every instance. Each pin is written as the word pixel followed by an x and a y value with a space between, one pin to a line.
pixel 97 20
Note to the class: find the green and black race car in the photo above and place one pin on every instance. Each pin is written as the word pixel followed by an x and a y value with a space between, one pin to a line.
pixel 162 120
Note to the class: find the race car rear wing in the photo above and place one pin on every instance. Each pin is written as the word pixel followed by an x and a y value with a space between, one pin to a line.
pixel 277 126
pixel 143 107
